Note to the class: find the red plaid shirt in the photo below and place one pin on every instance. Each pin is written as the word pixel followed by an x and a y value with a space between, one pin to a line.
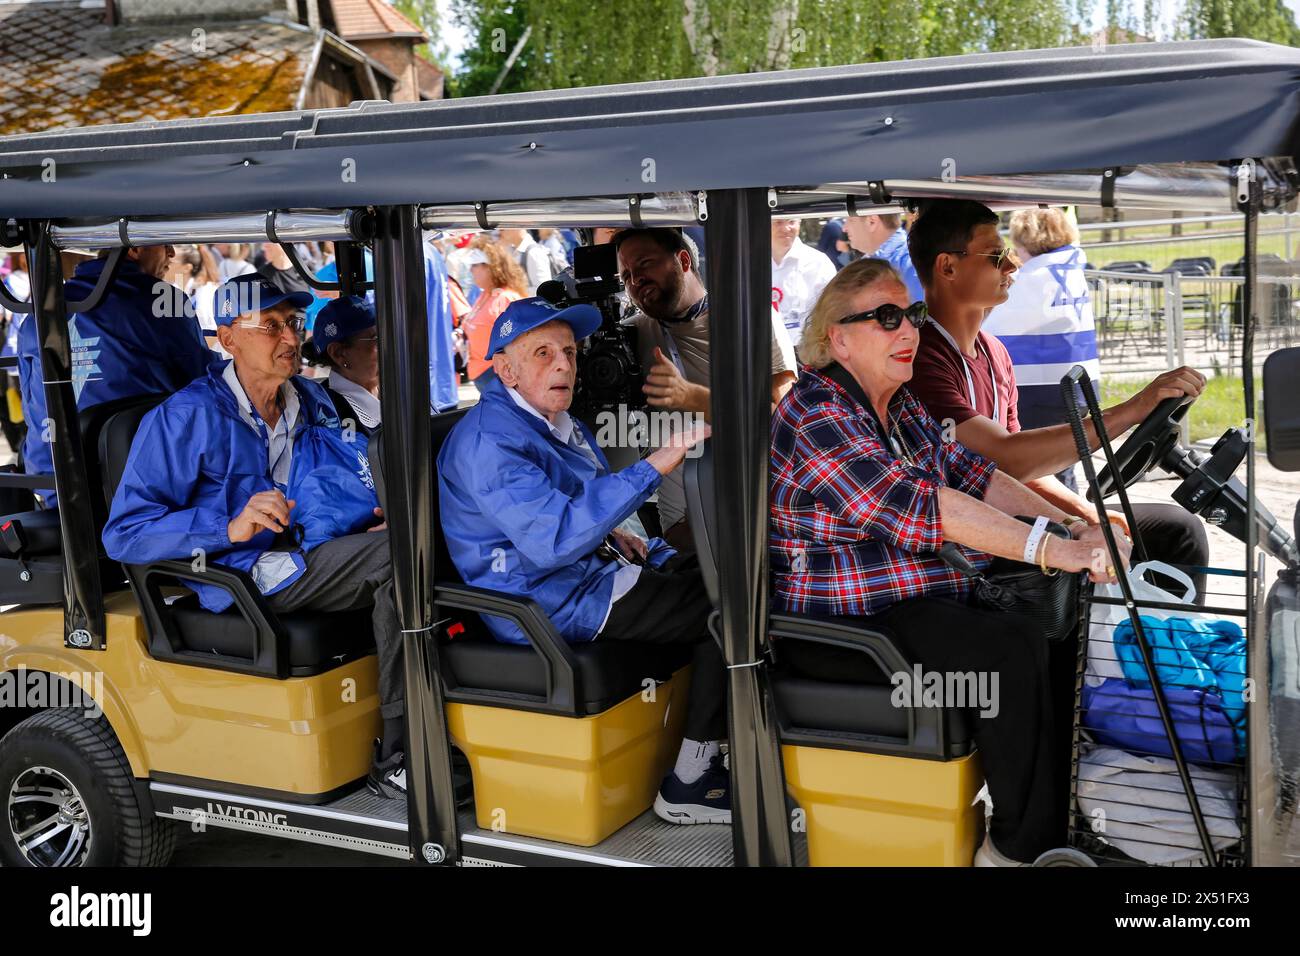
pixel 855 527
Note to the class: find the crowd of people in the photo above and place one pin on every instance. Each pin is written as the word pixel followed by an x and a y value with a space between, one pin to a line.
pixel 899 423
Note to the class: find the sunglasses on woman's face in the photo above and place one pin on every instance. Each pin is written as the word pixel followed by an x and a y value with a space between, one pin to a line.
pixel 890 316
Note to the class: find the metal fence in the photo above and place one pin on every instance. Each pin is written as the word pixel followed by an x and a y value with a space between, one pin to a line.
pixel 1148 322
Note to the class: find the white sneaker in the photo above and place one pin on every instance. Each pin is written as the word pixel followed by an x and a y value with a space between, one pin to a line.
pixel 988 855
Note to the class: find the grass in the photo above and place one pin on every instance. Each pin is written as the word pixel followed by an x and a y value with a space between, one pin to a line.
pixel 1220 407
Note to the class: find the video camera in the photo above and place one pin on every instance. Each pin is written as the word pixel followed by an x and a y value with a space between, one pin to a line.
pixel 609 373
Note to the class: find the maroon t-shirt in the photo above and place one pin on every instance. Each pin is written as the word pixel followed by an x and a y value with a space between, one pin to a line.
pixel 939 380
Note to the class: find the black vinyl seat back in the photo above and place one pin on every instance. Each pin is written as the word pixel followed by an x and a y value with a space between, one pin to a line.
pixel 697 477
pixel 31 539
pixel 249 637
pixel 440 427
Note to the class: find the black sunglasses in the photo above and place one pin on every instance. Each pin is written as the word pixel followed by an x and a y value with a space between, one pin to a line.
pixel 891 316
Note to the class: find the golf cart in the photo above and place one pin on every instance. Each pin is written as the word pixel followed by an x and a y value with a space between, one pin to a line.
pixel 262 722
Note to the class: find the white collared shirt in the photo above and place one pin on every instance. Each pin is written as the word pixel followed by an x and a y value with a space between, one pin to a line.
pixel 363 403
pixel 273 567
pixel 797 282
pixel 565 431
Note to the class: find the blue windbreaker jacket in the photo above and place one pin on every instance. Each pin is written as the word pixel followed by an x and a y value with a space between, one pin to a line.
pixel 195 463
pixel 522 514
pixel 138 341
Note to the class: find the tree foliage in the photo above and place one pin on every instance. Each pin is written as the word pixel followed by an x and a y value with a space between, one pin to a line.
pixel 590 42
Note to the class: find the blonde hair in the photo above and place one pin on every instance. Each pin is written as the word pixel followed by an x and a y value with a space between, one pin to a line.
pixel 506 272
pixel 1042 230
pixel 835 303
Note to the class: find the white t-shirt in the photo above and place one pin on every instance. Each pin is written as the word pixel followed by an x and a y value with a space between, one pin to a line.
pixel 797 282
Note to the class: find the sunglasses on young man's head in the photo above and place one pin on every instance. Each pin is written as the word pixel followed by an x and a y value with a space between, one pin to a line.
pixel 890 316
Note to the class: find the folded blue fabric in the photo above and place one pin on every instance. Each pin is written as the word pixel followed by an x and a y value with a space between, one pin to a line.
pixel 1191 654
pixel 1124 716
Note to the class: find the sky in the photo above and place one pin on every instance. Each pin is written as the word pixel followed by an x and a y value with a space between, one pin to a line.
pixel 455 40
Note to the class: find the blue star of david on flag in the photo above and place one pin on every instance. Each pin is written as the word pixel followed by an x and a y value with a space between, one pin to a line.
pixel 1060 271
pixel 84 354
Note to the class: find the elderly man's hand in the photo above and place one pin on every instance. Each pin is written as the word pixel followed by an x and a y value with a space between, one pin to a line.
pixel 673 453
pixel 266 509
pixel 630 544
pixel 383 525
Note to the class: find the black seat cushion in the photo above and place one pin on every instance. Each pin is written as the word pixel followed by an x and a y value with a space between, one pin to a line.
pixel 40 530
pixel 865 709
pixel 318 640
pixel 608 671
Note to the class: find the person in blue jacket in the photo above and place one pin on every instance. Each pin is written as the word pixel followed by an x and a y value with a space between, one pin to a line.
pixel 529 507
pixel 248 467
pixel 443 383
pixel 137 341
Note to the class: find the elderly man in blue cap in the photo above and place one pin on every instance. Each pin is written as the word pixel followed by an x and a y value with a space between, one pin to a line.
pixel 530 507
pixel 250 465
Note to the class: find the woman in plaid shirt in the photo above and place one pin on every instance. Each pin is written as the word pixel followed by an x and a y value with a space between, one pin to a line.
pixel 865 487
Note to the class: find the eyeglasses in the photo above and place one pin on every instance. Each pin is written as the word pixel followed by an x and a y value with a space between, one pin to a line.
pixel 276 327
pixel 366 341
pixel 891 316
pixel 999 258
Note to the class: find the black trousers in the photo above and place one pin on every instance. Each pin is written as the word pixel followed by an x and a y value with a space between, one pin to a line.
pixel 671 606
pixel 1024 747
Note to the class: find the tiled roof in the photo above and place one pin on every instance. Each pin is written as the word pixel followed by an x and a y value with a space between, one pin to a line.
pixel 61 66
pixel 364 19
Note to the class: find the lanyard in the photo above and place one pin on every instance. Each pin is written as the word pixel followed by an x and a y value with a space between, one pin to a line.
pixel 692 313
pixel 970 382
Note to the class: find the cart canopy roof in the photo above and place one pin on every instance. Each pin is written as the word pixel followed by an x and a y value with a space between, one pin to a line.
pixel 987 114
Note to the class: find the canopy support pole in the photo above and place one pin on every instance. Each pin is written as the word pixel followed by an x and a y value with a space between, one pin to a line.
pixel 1248 195
pixel 738 237
pixel 408 479
pixel 83 596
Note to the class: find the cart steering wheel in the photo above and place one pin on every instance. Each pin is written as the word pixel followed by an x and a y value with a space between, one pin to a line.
pixel 1154 437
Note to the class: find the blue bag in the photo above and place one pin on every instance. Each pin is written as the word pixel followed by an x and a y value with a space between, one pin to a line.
pixel 1124 716
pixel 1191 653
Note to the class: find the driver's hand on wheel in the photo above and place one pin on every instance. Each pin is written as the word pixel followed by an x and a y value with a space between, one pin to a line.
pixel 266 509
pixel 1175 384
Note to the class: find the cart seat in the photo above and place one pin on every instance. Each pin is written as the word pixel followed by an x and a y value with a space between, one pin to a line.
pixel 881 785
pixel 607 672
pixel 566 742
pixel 249 637
pixel 30 534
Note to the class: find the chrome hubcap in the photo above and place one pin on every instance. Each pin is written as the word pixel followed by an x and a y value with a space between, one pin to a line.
pixel 47 818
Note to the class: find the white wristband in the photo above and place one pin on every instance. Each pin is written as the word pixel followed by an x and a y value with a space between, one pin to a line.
pixel 1035 536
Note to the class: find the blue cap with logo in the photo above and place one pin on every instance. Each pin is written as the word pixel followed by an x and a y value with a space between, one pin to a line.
pixel 524 315
pixel 245 294
pixel 341 319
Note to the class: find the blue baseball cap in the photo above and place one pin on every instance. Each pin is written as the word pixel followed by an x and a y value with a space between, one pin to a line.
pixel 250 293
pixel 341 319
pixel 524 315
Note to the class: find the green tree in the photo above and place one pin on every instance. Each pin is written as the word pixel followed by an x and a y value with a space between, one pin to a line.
pixel 587 43
pixel 1256 19
pixel 424 14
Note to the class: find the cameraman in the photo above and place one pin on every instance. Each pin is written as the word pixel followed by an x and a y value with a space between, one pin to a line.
pixel 660 273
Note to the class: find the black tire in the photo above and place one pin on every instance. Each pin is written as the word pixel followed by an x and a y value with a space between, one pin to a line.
pixel 86 754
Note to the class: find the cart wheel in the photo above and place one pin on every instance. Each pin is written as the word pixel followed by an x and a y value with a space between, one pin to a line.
pixel 68 798
pixel 1065 856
